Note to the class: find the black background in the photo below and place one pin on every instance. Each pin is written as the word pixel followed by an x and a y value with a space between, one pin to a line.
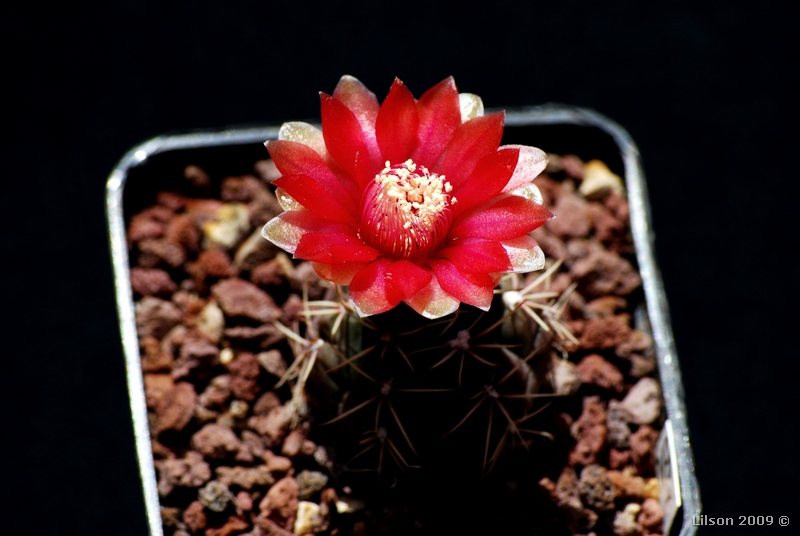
pixel 707 91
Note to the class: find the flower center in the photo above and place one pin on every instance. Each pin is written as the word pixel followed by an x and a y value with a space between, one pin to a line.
pixel 406 210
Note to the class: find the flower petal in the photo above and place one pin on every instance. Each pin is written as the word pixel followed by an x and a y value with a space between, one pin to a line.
pixel 331 248
pixel 471 106
pixel 304 133
pixel 318 197
pixel 370 290
pixel 340 273
pixel 363 103
pixel 506 217
pixel 432 301
pixel 408 278
pixel 532 161
pixel 439 116
pixel 487 180
pixel 344 138
pixel 475 255
pixel 295 158
pixel 530 192
pixel 474 289
pixel 471 141
pixel 524 253
pixel 286 230
pixel 286 201
pixel 397 124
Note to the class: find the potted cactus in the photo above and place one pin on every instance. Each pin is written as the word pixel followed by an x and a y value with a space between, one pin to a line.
pixel 438 353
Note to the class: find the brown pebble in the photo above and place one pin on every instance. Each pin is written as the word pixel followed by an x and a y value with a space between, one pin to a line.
pixel 144 226
pixel 651 517
pixel 281 501
pixel 617 459
pixel 234 525
pixel 195 517
pixel 155 387
pixel 197 177
pixel 627 486
pixel 215 263
pixel 182 230
pixel 240 298
pixel 595 370
pixel 277 464
pixel 152 282
pixel 605 306
pixel 603 333
pixel 590 432
pixel 266 403
pixel 244 371
pixel 155 317
pixel 267 274
pixel 273 362
pixel 170 253
pixel 217 392
pixel 308 448
pixel 155 359
pixel 190 471
pixel 175 408
pixel 242 189
pixel 573 217
pixel 643 449
pixel 293 443
pixel 600 272
pixel 215 441
pixel 245 477
pixel 274 426
pixel 244 501
pixel 271 528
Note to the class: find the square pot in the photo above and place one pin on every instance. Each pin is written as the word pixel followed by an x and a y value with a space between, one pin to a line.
pixel 557 129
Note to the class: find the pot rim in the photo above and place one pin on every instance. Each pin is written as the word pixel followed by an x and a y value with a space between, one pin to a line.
pixel 676 445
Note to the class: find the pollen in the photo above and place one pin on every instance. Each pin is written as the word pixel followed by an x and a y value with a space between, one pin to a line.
pixel 406 210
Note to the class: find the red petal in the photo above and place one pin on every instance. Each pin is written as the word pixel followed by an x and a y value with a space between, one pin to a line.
pixel 341 274
pixel 312 223
pixel 397 124
pixel 331 248
pixel 363 103
pixel 293 158
pixel 439 116
pixel 471 141
pixel 476 255
pixel 474 289
pixel 508 216
pixel 314 194
pixel 407 278
pixel 287 229
pixel 490 176
pixel 344 138
pixel 371 292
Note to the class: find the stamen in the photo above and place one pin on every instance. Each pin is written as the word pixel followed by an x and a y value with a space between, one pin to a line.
pixel 406 210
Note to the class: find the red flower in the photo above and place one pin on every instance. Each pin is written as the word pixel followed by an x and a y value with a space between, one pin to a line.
pixel 411 201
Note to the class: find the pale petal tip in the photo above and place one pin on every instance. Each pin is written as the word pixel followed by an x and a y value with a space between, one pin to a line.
pixel 471 106
pixel 525 260
pixel 282 234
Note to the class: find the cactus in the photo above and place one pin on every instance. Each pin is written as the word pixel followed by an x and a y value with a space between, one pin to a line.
pixel 427 343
